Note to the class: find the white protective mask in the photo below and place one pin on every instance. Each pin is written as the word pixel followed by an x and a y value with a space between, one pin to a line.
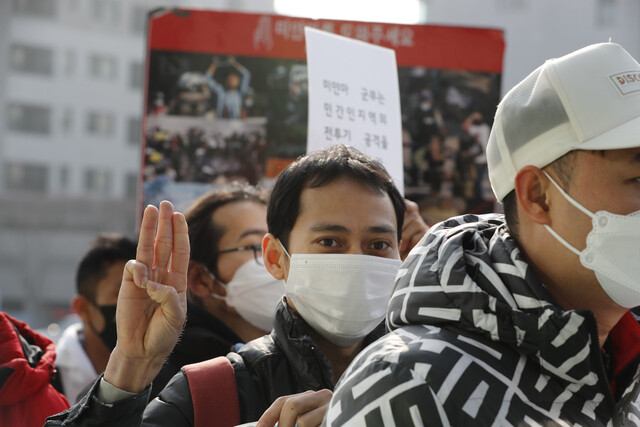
pixel 612 252
pixel 254 293
pixel 343 297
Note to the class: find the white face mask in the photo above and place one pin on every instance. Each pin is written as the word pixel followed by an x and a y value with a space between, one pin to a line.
pixel 254 293
pixel 612 252
pixel 343 297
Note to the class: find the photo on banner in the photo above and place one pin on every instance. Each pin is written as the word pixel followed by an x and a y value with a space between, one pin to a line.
pixel 227 100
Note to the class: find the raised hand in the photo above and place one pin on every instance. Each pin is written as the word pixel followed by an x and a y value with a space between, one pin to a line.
pixel 152 302
pixel 413 229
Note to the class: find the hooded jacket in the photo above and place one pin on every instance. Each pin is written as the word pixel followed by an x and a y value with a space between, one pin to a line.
pixel 478 340
pixel 26 370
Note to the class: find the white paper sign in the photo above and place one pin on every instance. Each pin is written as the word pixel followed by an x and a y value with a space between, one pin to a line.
pixel 354 98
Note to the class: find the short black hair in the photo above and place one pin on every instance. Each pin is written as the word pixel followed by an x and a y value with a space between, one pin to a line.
pixel 105 250
pixel 563 167
pixel 318 169
pixel 204 235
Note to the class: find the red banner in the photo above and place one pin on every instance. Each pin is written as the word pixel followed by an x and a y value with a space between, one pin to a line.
pixel 274 36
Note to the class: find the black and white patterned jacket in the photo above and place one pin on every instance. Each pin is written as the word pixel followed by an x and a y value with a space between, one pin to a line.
pixel 478 340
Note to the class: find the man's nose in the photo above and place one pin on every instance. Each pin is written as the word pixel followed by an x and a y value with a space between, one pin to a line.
pixel 355 249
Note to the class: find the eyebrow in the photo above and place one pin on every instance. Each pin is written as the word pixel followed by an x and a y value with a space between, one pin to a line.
pixel 251 232
pixel 317 228
pixel 381 229
pixel 376 229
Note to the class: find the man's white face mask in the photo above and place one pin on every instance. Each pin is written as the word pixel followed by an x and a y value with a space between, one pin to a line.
pixel 343 297
pixel 612 252
pixel 254 293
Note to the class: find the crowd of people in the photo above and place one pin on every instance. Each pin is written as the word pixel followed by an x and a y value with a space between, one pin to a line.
pixel 446 128
pixel 330 302
pixel 202 157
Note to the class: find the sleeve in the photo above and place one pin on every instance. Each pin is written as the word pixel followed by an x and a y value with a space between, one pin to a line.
pixel 173 406
pixel 379 393
pixel 246 79
pixel 214 85
pixel 91 411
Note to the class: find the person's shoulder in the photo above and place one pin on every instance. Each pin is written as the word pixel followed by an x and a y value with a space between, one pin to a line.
pixel 258 350
pixel 404 347
pixel 422 351
pixel 70 335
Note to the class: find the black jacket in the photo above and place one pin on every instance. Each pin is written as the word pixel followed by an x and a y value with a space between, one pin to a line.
pixel 204 337
pixel 284 362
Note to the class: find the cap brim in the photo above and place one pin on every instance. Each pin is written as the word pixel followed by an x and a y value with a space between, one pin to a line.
pixel 627 135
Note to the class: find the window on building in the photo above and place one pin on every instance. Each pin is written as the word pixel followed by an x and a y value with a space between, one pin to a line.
pixel 67 120
pixel 64 177
pixel 105 12
pixel 97 181
pixel 101 123
pixel 139 19
pixel 26 177
pixel 134 128
pixel 29 118
pixel 135 75
pixel 37 8
pixel 131 186
pixel 31 59
pixel 103 67
pixel 69 62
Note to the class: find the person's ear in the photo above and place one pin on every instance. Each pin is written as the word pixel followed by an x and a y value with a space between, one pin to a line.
pixel 533 194
pixel 201 282
pixel 81 306
pixel 275 260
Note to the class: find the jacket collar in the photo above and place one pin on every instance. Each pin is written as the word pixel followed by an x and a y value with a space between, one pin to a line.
pixel 291 334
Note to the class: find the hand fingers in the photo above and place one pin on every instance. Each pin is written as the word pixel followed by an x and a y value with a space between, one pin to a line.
pixel 414 232
pixel 144 252
pixel 411 228
pixel 170 303
pixel 412 207
pixel 313 418
pixel 164 236
pixel 270 417
pixel 136 272
pixel 181 248
pixel 286 410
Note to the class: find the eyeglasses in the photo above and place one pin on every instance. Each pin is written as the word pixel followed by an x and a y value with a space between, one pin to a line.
pixel 257 251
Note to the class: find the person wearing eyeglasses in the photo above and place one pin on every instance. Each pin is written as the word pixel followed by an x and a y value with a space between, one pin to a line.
pixel 231 297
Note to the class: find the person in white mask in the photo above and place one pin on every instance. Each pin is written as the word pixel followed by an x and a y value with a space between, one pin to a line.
pixel 335 222
pixel 231 296
pixel 523 319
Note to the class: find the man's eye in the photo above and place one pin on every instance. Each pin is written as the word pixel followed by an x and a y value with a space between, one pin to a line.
pixel 379 246
pixel 328 242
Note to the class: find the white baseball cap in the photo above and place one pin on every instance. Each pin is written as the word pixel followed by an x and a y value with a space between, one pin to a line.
pixel 586 100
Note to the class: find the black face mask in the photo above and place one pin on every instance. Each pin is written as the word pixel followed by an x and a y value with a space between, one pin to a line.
pixel 109 333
